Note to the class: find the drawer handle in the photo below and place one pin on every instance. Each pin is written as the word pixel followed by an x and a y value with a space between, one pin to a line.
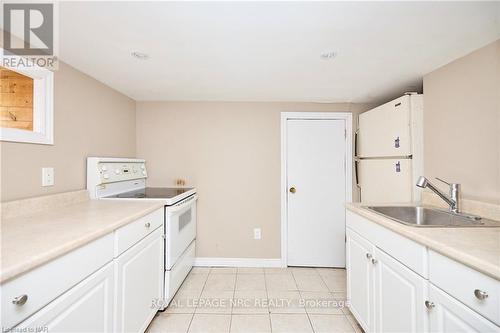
pixel 147 225
pixel 368 255
pixel 480 294
pixel 20 300
pixel 429 305
pixel 374 261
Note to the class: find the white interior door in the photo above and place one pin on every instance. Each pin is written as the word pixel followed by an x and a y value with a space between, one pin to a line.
pixel 315 160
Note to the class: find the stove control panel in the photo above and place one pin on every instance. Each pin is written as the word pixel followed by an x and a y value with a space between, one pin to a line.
pixel 115 172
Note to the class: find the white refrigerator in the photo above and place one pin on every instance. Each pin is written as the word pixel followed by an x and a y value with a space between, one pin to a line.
pixel 389 151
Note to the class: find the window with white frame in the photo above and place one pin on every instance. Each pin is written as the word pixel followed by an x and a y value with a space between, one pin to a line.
pixel 26 105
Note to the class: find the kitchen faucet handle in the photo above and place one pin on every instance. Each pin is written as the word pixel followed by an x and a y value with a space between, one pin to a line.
pixel 443 181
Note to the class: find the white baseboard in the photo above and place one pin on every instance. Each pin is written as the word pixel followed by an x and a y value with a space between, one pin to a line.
pixel 236 262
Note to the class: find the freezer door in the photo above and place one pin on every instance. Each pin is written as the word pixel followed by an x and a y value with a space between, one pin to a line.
pixel 385 180
pixel 385 130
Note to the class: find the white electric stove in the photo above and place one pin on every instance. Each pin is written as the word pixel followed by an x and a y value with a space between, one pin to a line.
pixel 125 179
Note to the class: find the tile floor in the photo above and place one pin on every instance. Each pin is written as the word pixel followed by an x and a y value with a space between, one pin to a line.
pixel 259 300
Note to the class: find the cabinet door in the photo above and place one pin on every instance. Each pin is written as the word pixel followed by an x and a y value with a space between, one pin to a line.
pixel 360 278
pixel 139 283
pixel 399 296
pixel 87 307
pixel 385 130
pixel 449 315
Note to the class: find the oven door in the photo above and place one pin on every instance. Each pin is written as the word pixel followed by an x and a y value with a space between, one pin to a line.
pixel 180 229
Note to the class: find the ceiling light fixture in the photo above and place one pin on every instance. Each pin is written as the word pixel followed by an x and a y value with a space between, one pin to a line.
pixel 328 55
pixel 139 55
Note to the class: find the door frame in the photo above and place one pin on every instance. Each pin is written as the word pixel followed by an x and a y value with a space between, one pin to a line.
pixel 347 117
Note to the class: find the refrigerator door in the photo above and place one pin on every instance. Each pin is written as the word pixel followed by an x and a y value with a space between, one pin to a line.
pixel 385 130
pixel 385 180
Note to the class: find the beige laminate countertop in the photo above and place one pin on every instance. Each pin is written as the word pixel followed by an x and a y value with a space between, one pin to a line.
pixel 478 248
pixel 31 240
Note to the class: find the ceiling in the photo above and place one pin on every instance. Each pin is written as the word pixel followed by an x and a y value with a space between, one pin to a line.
pixel 270 51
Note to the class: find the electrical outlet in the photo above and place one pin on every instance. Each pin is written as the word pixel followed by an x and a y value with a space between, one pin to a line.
pixel 257 233
pixel 47 176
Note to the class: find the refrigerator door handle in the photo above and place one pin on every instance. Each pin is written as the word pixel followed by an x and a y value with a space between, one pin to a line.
pixel 356 172
pixel 356 176
pixel 356 142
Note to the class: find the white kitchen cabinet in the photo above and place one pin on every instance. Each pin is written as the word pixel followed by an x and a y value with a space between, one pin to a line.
pixel 87 307
pixel 465 285
pixel 448 315
pixel 47 282
pixel 410 288
pixel 359 253
pixel 112 284
pixel 139 283
pixel 399 296
pixel 128 235
pixel 385 295
pixel 412 254
pixel 385 130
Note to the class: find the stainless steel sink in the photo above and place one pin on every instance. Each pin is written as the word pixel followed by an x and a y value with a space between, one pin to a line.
pixel 419 216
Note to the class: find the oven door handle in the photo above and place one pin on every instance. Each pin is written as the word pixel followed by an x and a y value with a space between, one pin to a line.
pixel 183 204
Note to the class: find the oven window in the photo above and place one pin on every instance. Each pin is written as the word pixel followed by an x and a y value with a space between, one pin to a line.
pixel 184 219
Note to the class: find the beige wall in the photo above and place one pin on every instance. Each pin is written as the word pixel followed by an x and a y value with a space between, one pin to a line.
pixel 90 119
pixel 462 123
pixel 231 153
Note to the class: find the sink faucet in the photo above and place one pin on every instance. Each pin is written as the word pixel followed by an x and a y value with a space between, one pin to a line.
pixel 453 198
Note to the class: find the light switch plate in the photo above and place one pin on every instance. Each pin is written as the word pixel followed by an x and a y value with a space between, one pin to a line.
pixel 47 176
pixel 257 233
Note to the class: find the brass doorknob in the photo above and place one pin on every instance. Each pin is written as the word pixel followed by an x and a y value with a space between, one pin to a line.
pixel 293 190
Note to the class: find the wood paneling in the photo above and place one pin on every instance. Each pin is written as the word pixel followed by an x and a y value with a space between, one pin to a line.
pixel 16 100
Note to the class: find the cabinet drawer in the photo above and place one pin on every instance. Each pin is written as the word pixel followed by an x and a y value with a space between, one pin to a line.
pixel 406 251
pixel 452 316
pixel 47 282
pixel 462 282
pixel 132 233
